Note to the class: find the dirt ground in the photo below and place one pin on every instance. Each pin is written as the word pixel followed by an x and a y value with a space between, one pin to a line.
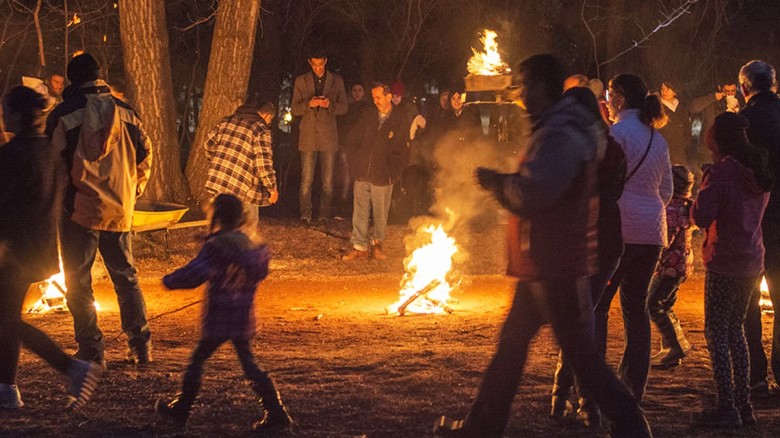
pixel 344 367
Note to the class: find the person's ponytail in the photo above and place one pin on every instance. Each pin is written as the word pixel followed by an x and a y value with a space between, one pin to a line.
pixel 652 112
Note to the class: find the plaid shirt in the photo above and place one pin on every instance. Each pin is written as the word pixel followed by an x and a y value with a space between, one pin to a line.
pixel 233 266
pixel 241 158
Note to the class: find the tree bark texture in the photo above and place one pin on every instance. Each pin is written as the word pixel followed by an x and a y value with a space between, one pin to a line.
pixel 150 90
pixel 227 79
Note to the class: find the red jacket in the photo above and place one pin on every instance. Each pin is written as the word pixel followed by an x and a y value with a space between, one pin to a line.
pixel 730 205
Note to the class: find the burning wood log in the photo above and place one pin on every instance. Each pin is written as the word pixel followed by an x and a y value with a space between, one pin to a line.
pixel 422 292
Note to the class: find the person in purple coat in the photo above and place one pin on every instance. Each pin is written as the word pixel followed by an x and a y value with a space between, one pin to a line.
pixel 233 265
pixel 730 204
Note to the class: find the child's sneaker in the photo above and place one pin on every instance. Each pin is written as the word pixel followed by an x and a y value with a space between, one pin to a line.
pixel 83 377
pixel 10 397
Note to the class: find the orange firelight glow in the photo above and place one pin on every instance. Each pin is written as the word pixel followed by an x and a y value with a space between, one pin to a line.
pixel 765 302
pixel 488 62
pixel 53 295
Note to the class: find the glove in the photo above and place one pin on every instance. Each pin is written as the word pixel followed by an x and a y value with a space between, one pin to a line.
pixel 489 179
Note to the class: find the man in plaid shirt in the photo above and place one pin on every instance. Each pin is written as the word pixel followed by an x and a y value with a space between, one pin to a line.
pixel 241 158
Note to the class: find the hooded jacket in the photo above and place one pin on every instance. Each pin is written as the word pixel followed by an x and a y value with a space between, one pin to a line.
pixel 554 196
pixel 729 206
pixel 107 155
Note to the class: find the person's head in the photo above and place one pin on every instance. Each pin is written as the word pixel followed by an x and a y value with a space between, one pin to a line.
pixel 227 213
pixel 23 110
pixel 728 88
pixel 597 87
pixel 728 137
pixel 382 96
pixel 267 111
pixel 578 80
pixel 669 90
pixel 358 92
pixel 540 82
pixel 83 68
pixel 587 99
pixel 444 99
pixel 757 76
pixel 398 89
pixel 56 84
pixel 627 92
pixel 317 61
pixel 682 178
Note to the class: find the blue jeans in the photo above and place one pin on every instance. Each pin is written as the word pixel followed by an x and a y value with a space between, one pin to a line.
pixel 79 247
pixel 308 161
pixel 369 199
pixel 633 276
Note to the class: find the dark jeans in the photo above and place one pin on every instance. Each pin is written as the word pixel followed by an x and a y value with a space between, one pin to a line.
pixel 79 247
pixel 753 329
pixel 261 382
pixel 342 187
pixel 564 374
pixel 308 161
pixel 662 295
pixel 14 331
pixel 633 277
pixel 566 303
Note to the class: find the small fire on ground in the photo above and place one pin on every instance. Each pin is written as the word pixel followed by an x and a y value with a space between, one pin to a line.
pixel 430 276
pixel 53 295
pixel 765 302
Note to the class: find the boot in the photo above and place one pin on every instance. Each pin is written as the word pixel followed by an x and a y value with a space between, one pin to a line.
pixel 674 345
pixel 176 411
pixel 589 414
pixel 275 417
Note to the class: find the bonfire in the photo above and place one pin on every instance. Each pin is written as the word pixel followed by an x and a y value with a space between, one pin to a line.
pixel 765 302
pixel 487 71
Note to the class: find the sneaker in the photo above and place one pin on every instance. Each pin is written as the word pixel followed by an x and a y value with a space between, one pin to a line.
pixel 747 417
pixel 719 419
pixel 173 411
pixel 140 355
pixel 83 377
pixel 355 254
pixel 10 397
pixel 273 421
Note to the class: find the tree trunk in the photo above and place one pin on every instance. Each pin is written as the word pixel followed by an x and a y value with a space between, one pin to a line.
pixel 227 79
pixel 39 32
pixel 148 71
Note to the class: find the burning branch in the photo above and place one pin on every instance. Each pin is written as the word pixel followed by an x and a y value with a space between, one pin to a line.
pixel 669 18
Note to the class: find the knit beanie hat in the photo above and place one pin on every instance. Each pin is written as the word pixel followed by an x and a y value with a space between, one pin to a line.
pixel 397 88
pixel 83 68
pixel 228 212
pixel 683 180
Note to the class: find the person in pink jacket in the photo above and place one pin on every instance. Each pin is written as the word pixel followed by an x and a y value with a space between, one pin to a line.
pixel 730 204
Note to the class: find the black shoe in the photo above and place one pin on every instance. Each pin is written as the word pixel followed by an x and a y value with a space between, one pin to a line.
pixel 747 417
pixel 719 419
pixel 140 355
pixel 590 418
pixel 450 427
pixel 273 421
pixel 173 411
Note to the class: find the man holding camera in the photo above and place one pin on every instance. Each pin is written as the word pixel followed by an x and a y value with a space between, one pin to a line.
pixel 318 97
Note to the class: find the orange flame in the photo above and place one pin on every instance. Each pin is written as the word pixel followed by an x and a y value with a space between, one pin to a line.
pixel 428 268
pixel 53 295
pixel 487 63
pixel 765 302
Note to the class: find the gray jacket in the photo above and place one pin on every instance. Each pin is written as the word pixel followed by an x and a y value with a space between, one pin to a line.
pixel 318 129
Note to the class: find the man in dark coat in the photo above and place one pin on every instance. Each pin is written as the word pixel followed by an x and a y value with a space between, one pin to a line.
pixel 378 151
pixel 552 252
pixel 759 84
pixel 677 131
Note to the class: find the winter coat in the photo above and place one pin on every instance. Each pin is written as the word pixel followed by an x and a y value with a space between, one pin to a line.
pixel 318 130
pixel 233 265
pixel 240 156
pixel 677 258
pixel 553 196
pixel 30 207
pixel 348 120
pixel 107 155
pixel 763 114
pixel 729 206
pixel 378 154
pixel 646 193
pixel 677 133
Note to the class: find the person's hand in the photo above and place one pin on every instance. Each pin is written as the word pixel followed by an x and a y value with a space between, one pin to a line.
pixel 324 102
pixel 719 95
pixel 489 179
pixel 314 102
pixel 274 196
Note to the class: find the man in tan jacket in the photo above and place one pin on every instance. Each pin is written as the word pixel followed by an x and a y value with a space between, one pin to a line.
pixel 108 158
pixel 318 97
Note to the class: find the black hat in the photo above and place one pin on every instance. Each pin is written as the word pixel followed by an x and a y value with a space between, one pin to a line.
pixel 83 68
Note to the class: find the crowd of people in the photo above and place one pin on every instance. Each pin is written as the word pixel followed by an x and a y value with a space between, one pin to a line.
pixel 605 198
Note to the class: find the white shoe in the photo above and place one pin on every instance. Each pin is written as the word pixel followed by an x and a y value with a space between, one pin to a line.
pixel 10 397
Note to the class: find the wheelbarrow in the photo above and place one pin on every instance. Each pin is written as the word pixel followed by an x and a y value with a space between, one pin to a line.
pixel 161 216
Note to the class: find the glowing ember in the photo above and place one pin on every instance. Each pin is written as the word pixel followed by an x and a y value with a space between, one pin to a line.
pixel 428 281
pixel 765 302
pixel 487 63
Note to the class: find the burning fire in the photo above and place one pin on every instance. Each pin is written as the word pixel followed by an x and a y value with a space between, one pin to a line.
pixel 765 302
pixel 53 295
pixel 428 281
pixel 487 63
